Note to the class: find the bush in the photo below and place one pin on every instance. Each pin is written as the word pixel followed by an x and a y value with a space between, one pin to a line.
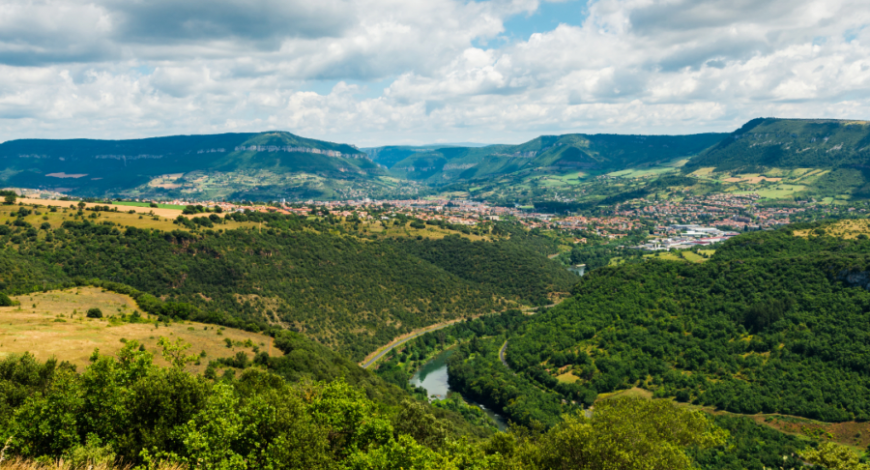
pixel 95 313
pixel 5 301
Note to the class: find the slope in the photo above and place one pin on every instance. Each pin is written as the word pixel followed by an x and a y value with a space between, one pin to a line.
pixel 771 324
pixel 214 165
pixel 551 154
pixel 350 293
pixel 790 143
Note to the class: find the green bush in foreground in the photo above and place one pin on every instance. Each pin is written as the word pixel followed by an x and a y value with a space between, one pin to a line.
pixel 127 410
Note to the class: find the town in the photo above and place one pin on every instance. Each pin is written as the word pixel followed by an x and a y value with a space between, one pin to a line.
pixel 662 225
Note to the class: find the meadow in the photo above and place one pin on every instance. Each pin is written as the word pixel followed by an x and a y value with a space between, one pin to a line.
pixel 54 324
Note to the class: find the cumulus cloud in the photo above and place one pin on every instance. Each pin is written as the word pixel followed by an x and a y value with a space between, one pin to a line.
pixel 131 68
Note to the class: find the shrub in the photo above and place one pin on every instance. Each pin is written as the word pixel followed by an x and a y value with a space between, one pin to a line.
pixel 95 313
pixel 5 301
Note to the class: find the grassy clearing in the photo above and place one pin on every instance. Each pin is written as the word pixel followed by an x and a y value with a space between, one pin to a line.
pixel 664 255
pixel 568 377
pixel 633 392
pixel 640 173
pixel 847 229
pixel 703 172
pixel 692 257
pixel 141 218
pixel 166 213
pixel 433 232
pixel 853 434
pixel 57 327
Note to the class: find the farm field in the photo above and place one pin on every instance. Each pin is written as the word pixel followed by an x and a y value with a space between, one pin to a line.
pixel 640 173
pixel 54 324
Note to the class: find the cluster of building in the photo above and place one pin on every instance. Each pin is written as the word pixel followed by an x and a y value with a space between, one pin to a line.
pixel 739 212
pixel 687 236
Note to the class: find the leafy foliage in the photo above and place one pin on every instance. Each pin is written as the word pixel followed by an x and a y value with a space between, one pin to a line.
pixel 771 324
pixel 510 268
pixel 126 409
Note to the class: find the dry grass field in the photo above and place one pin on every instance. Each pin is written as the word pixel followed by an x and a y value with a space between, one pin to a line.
pixel 165 213
pixel 140 218
pixel 54 324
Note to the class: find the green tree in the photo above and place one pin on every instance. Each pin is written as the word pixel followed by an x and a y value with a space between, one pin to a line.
pixel 833 457
pixel 625 433
pixel 95 313
pixel 174 353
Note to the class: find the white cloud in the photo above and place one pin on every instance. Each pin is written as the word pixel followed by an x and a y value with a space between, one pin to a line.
pixel 132 68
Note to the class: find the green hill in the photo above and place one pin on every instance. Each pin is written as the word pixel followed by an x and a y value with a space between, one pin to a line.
pixel 790 143
pixel 351 293
pixel 773 324
pixel 267 165
pixel 551 155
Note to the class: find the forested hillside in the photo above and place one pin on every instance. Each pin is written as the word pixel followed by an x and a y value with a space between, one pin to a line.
pixel 512 268
pixel 350 293
pixel 790 143
pixel 773 323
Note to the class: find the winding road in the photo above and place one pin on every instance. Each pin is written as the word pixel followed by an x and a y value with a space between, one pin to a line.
pixel 398 342
pixel 383 351
pixel 501 354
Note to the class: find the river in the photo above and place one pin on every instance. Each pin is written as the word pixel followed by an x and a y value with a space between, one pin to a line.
pixel 433 377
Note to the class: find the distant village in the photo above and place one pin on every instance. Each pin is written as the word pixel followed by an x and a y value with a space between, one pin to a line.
pixel 691 222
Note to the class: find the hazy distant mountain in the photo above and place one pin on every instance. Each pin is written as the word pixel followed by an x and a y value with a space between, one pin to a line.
pixel 389 155
pixel 211 165
pixel 790 143
pixel 555 154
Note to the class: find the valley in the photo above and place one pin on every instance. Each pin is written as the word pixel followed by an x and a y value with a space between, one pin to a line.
pixel 704 282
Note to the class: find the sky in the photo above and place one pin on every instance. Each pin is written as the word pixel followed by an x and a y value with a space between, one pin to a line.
pixel 382 72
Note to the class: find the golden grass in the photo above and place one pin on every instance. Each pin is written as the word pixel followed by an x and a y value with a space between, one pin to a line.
pixel 166 213
pixel 847 229
pixel 140 219
pixel 52 329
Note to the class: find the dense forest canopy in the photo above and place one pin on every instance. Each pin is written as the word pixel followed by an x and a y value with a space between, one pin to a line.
pixel 773 323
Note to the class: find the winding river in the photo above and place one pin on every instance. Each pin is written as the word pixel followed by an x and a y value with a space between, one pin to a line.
pixel 433 377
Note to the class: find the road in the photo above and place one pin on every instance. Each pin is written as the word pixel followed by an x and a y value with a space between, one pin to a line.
pixel 501 354
pixel 398 342
pixel 392 345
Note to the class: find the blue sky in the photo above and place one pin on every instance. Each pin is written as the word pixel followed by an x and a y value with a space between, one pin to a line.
pixel 377 72
pixel 545 18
